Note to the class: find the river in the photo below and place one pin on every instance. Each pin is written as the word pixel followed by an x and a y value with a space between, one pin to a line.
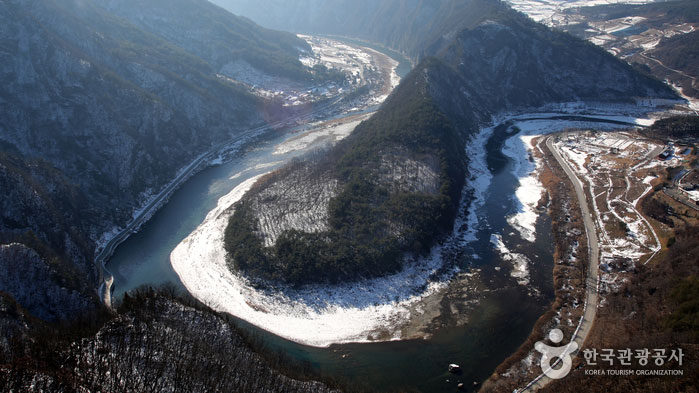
pixel 498 317
pixel 496 324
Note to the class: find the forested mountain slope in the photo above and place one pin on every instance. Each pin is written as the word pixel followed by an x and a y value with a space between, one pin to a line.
pixel 409 26
pixel 102 106
pixel 487 35
pixel 156 343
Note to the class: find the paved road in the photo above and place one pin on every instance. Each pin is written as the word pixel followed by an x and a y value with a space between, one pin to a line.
pixel 591 296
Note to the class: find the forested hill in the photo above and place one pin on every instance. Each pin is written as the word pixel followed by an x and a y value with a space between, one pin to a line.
pixel 394 185
pixel 103 101
pixel 156 342
pixel 512 62
pixel 214 35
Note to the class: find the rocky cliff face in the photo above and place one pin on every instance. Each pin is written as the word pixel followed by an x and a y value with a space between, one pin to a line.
pixel 102 103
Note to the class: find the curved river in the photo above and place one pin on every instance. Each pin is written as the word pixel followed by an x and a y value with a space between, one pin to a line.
pixel 497 321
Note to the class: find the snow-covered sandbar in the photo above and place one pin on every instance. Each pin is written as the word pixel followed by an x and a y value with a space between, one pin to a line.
pixel 317 316
pixel 369 310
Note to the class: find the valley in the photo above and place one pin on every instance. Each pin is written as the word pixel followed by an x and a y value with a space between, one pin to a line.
pixel 380 77
pixel 620 237
pixel 376 196
pixel 280 142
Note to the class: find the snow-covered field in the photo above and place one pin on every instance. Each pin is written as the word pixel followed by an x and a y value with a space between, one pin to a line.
pixel 552 11
pixel 616 174
pixel 361 63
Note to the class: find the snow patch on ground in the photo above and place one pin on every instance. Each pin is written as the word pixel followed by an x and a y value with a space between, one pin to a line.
pixel 519 149
pixel 333 133
pixel 520 263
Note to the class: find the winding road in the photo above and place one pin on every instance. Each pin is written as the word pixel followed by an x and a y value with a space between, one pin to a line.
pixel 591 287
